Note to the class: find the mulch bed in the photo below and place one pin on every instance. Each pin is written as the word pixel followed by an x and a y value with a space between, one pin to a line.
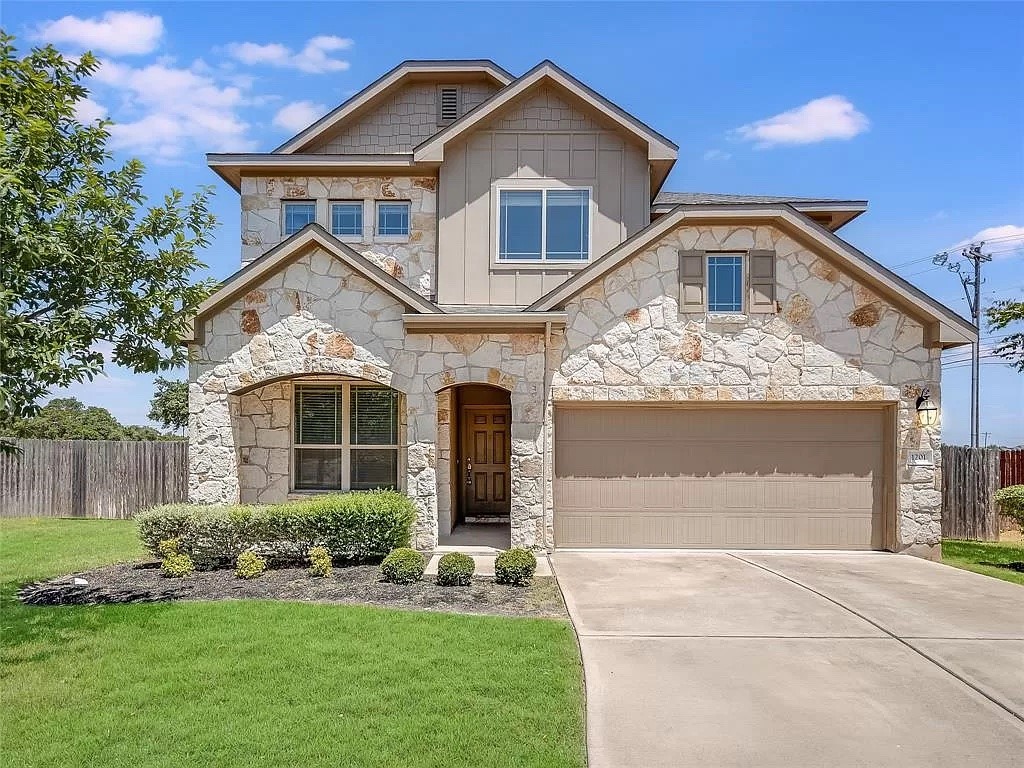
pixel 361 584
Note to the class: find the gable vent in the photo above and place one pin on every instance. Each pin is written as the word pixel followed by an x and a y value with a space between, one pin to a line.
pixel 448 104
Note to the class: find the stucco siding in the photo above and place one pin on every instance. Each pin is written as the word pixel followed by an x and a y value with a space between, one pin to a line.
pixel 546 139
pixel 411 259
pixel 403 120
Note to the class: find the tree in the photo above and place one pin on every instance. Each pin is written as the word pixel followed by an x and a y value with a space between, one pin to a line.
pixel 68 418
pixel 169 406
pixel 1001 315
pixel 84 261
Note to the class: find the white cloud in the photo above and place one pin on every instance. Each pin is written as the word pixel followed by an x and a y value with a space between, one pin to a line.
pixel 1003 242
pixel 115 32
pixel 314 58
pixel 713 155
pixel 168 110
pixel 830 117
pixel 298 115
pixel 88 111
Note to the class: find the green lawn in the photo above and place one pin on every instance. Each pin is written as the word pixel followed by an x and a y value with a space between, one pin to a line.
pixel 985 557
pixel 268 684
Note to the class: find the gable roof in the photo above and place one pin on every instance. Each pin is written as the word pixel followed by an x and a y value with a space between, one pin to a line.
pixel 659 148
pixel 385 84
pixel 833 213
pixel 948 328
pixel 310 236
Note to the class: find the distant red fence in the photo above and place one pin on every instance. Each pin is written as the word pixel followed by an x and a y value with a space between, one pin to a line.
pixel 1011 467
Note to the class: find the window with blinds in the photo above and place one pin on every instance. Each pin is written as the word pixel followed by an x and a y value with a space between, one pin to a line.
pixel 345 437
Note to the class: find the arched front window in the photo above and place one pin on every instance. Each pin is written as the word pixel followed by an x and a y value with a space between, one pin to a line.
pixel 345 437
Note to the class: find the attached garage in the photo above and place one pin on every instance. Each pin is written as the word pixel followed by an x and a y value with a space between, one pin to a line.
pixel 766 475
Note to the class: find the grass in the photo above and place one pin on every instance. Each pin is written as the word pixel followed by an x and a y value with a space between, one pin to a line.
pixel 260 683
pixel 988 557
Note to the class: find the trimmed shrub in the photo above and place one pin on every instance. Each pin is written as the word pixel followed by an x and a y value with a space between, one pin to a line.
pixel 515 566
pixel 1011 503
pixel 250 565
pixel 455 570
pixel 403 566
pixel 361 526
pixel 168 547
pixel 319 562
pixel 177 566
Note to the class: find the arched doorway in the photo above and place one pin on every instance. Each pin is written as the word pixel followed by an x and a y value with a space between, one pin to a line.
pixel 481 473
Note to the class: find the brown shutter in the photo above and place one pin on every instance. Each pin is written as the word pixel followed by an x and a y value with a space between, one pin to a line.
pixel 762 282
pixel 692 282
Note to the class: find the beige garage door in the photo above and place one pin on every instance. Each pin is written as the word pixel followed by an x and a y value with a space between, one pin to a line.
pixel 753 477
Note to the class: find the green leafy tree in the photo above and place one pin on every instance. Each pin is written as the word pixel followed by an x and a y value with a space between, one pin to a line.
pixel 1000 316
pixel 68 418
pixel 169 406
pixel 83 258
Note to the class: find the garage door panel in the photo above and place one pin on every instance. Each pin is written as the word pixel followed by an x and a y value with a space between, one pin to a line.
pixel 800 478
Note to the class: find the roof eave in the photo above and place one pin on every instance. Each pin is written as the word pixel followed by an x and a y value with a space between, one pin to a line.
pixel 944 327
pixel 659 147
pixel 489 322
pixel 375 90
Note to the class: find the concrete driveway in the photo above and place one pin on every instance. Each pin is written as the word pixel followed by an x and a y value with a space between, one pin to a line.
pixel 794 660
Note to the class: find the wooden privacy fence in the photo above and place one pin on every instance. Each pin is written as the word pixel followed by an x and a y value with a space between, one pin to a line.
pixel 970 478
pixel 1011 467
pixel 91 478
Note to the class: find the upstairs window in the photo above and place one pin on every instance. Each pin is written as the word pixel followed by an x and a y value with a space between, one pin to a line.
pixel 543 225
pixel 347 219
pixel 725 282
pixel 449 104
pixel 298 215
pixel 393 219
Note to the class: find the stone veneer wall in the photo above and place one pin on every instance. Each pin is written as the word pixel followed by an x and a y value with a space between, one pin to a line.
pixel 625 340
pixel 832 340
pixel 406 119
pixel 317 317
pixel 413 261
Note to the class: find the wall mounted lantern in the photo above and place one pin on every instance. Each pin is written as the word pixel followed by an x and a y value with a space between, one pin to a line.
pixel 927 411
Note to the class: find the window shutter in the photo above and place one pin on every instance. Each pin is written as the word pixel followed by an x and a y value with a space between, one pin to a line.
pixel 447 104
pixel 762 282
pixel 692 281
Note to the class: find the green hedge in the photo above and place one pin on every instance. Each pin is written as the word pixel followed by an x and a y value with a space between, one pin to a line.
pixel 1011 503
pixel 355 527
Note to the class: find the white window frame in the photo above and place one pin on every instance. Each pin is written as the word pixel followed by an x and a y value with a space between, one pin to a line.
pixel 543 186
pixel 345 446
pixel 376 222
pixel 742 255
pixel 284 215
pixel 360 238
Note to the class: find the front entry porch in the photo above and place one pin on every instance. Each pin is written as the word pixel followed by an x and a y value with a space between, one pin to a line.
pixel 479 438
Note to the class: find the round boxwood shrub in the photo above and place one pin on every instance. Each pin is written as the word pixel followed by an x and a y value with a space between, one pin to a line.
pixel 515 566
pixel 455 570
pixel 177 566
pixel 319 561
pixel 250 565
pixel 168 547
pixel 402 566
pixel 1011 503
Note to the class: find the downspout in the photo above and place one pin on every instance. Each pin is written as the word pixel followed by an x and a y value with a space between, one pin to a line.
pixel 545 447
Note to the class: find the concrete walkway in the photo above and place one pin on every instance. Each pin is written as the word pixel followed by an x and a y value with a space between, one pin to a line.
pixel 793 660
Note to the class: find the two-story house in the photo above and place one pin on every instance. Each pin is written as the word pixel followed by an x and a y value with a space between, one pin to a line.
pixel 471 286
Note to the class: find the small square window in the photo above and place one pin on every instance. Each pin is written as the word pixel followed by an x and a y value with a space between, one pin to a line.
pixel 298 215
pixel 347 219
pixel 393 219
pixel 725 282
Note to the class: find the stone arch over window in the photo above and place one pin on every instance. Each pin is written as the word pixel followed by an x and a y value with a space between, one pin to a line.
pixel 317 431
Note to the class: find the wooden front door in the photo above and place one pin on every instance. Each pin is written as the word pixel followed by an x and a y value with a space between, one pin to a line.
pixel 484 462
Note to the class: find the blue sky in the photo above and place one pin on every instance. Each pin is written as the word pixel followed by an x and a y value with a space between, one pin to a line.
pixel 914 107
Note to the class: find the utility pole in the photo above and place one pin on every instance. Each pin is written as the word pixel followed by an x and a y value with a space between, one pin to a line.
pixel 971 282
